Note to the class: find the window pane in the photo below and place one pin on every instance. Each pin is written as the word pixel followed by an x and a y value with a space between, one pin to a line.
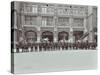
pixel 62 21
pixel 78 22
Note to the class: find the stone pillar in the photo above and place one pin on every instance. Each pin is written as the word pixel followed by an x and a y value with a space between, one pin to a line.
pixel 71 37
pixel 85 28
pixel 90 23
pixel 55 35
pixel 39 24
pixel 38 35
pixel 38 38
pixel 15 39
pixel 71 29
pixel 55 28
pixel 15 29
pixel 22 26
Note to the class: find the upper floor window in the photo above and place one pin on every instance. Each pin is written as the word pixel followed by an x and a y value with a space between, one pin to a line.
pixel 34 9
pixel 64 11
pixel 63 21
pixel 79 11
pixel 30 20
pixel 47 21
pixel 28 8
pixel 78 21
pixel 31 8
pixel 47 9
pixel 60 11
pixel 44 10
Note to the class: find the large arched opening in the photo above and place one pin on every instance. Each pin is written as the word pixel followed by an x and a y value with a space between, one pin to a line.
pixel 77 35
pixel 31 36
pixel 63 36
pixel 47 36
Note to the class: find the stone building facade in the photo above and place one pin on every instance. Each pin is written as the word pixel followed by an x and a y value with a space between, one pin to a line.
pixel 33 22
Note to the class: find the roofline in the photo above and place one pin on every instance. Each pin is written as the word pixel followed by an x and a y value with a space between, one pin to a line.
pixel 54 3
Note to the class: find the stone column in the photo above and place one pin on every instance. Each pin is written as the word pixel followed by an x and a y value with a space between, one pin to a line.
pixel 39 24
pixel 38 35
pixel 85 28
pixel 22 26
pixel 90 23
pixel 38 38
pixel 15 29
pixel 15 40
pixel 55 35
pixel 71 37
pixel 90 28
pixel 71 29
pixel 55 28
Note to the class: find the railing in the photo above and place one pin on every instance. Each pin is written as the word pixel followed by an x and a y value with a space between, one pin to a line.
pixel 39 47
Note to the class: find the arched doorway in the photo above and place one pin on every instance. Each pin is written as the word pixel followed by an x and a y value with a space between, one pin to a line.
pixel 63 36
pixel 77 35
pixel 31 36
pixel 47 36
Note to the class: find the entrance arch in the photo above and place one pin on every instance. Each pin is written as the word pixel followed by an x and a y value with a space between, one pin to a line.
pixel 47 35
pixel 31 36
pixel 77 35
pixel 63 35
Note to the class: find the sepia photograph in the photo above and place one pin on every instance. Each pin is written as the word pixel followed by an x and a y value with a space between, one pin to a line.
pixel 51 27
pixel 48 37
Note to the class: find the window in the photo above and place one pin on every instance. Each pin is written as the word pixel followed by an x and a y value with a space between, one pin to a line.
pixel 75 12
pixel 79 12
pixel 50 10
pixel 67 11
pixel 63 21
pixel 60 11
pixel 34 9
pixel 31 8
pixel 28 8
pixel 47 10
pixel 44 22
pixel 27 20
pixel 30 20
pixel 47 21
pixel 78 21
pixel 44 10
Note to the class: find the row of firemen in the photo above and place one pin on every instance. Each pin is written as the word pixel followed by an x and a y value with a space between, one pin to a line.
pixel 55 46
